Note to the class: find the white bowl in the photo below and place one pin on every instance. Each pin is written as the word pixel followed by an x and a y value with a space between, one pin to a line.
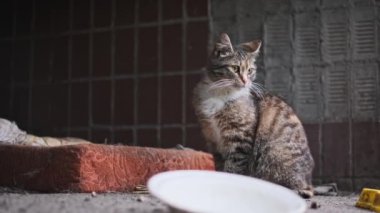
pixel 219 192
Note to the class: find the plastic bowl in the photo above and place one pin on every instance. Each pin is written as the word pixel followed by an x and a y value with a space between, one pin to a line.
pixel 219 192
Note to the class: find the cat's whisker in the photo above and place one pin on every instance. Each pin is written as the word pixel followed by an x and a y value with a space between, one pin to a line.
pixel 258 90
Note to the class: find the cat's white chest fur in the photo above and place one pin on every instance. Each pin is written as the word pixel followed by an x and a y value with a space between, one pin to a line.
pixel 211 103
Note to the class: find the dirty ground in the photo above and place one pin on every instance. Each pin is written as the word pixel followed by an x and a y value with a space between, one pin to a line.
pixel 22 202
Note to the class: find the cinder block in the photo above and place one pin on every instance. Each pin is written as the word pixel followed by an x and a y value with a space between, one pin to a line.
pixel 277 40
pixel 335 36
pixel 336 95
pixel 279 81
pixel 334 4
pixel 302 5
pixel 364 91
pixel 307 38
pixel 307 93
pixel 275 6
pixel 363 27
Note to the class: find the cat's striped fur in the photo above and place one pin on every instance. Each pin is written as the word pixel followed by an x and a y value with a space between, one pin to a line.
pixel 250 132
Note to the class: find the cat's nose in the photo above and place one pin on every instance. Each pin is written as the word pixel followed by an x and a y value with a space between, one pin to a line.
pixel 243 79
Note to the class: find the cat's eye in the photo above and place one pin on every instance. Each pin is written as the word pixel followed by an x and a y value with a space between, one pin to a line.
pixel 235 68
pixel 251 70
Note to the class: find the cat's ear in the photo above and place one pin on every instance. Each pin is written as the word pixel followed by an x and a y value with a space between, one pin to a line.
pixel 223 46
pixel 252 47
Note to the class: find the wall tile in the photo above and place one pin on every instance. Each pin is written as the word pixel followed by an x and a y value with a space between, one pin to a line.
pixel 191 82
pixel 101 62
pixel 59 97
pixel 22 60
pixel 24 17
pixel 335 140
pixel 101 102
pixel 124 102
pixel 171 108
pixel 125 12
pixel 147 137
pixel 81 14
pixel 147 52
pixel 196 46
pixel 194 139
pixel 6 18
pixel 5 60
pixel 80 56
pixel 79 104
pixel 102 13
pixel 83 134
pixel 312 133
pixel 366 146
pixel 20 105
pixel 101 136
pixel 148 10
pixel 124 51
pixel 60 15
pixel 40 109
pixel 172 47
pixel 171 137
pixel 5 94
pixel 196 8
pixel 60 59
pixel 172 9
pixel 41 69
pixel 123 136
pixel 43 14
pixel 147 100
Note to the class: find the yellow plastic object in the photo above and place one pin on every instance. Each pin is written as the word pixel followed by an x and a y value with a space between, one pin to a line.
pixel 369 199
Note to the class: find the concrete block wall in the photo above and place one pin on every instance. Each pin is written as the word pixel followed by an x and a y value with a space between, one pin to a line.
pixel 323 57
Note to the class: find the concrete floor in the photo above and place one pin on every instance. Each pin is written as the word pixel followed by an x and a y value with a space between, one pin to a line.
pixel 22 202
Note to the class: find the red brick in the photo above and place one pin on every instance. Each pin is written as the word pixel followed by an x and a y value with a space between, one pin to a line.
pixel 147 100
pixel 312 133
pixel 171 108
pixel 366 149
pixel 81 14
pixel 102 13
pixel 170 137
pixel 147 57
pixel 123 136
pixel 196 46
pixel 194 139
pixel 41 69
pixel 172 9
pixel 148 10
pixel 124 102
pixel 22 60
pixel 60 58
pixel 124 51
pixel 101 102
pixel 61 16
pixel 335 150
pixel 196 8
pixel 79 104
pixel 172 47
pixel 101 62
pixel 80 56
pixel 191 82
pixel 101 136
pixel 147 137
pixel 125 12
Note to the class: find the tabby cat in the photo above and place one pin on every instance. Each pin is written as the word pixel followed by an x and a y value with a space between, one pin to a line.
pixel 249 131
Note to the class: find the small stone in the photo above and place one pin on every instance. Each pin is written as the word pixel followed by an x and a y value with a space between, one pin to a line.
pixel 87 199
pixel 140 199
pixel 93 194
pixel 315 205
